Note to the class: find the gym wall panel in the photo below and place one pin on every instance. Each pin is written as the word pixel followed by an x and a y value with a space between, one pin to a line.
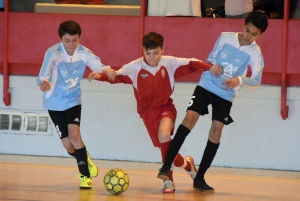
pixel 115 39
pixel 294 47
pixel 1 37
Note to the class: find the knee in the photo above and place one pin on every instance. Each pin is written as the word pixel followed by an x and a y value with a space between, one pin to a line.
pixel 69 147
pixel 74 136
pixel 163 137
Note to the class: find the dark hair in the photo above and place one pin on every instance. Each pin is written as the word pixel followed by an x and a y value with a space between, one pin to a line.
pixel 153 40
pixel 69 27
pixel 257 18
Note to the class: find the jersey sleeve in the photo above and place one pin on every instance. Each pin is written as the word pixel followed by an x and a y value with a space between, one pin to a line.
pixel 94 62
pixel 45 71
pixel 119 79
pixel 125 74
pixel 183 66
pixel 256 64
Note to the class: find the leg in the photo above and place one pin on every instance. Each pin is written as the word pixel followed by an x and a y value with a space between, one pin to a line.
pixel 181 133
pixel 68 146
pixel 208 155
pixel 80 149
pixel 197 106
pixel 220 117
pixel 164 135
pixel 69 134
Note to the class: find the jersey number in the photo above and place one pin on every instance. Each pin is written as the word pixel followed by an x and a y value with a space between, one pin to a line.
pixel 191 101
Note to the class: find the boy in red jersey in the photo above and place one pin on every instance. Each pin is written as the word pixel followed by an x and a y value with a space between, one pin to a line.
pixel 153 78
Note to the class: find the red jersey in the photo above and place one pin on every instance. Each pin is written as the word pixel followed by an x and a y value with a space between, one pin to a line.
pixel 153 86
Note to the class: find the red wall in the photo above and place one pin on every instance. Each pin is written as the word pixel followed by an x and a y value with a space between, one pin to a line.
pixel 1 38
pixel 116 39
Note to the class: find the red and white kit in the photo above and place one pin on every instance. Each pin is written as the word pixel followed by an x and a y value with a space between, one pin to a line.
pixel 153 87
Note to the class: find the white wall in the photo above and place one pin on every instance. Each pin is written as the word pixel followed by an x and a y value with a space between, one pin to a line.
pixel 112 129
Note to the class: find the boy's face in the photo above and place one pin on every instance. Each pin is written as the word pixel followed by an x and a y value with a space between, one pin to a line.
pixel 250 33
pixel 153 56
pixel 70 43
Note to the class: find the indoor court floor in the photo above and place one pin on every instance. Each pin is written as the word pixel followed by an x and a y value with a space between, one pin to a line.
pixel 34 178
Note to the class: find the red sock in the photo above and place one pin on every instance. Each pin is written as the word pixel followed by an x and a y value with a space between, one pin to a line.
pixel 179 161
pixel 163 149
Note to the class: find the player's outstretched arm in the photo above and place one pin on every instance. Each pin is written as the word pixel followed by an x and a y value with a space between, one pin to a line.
pixel 94 75
pixel 45 85
pixel 110 73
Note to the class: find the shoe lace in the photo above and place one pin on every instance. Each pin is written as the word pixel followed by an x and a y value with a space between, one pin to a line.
pixel 168 184
pixel 193 171
pixel 90 165
pixel 192 174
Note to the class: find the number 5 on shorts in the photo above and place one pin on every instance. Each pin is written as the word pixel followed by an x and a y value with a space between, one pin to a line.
pixel 191 101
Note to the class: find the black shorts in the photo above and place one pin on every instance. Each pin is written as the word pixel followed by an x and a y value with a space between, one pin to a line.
pixel 220 107
pixel 61 119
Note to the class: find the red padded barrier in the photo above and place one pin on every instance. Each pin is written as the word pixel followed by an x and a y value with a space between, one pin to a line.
pixel 1 38
pixel 116 40
pixel 294 47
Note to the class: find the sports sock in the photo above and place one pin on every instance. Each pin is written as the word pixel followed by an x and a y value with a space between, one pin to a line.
pixel 82 163
pixel 163 150
pixel 179 161
pixel 175 146
pixel 171 175
pixel 71 154
pixel 207 158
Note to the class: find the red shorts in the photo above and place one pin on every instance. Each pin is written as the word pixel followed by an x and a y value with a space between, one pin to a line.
pixel 153 116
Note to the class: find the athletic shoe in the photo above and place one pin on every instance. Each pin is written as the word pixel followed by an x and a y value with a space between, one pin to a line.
pixel 85 182
pixel 193 171
pixel 92 167
pixel 164 173
pixel 168 186
pixel 202 186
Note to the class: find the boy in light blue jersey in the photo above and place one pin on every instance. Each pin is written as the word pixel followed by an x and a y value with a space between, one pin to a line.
pixel 235 52
pixel 59 78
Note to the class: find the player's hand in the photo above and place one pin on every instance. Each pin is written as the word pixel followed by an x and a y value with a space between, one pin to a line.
pixel 231 83
pixel 94 75
pixel 216 70
pixel 45 85
pixel 110 73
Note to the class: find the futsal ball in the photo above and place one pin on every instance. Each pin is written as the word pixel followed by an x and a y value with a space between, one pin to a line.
pixel 116 181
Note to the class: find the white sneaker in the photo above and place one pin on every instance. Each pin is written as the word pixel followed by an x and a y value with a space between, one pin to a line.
pixel 193 171
pixel 168 186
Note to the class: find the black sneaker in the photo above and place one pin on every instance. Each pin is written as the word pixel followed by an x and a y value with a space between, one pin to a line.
pixel 164 173
pixel 202 186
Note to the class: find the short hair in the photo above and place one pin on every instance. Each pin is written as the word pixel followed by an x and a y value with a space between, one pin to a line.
pixel 153 40
pixel 69 27
pixel 257 18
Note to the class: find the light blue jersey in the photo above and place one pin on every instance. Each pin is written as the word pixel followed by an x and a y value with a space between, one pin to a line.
pixel 235 60
pixel 64 72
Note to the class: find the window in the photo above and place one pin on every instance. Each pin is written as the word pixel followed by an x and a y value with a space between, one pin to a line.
pixel 25 123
